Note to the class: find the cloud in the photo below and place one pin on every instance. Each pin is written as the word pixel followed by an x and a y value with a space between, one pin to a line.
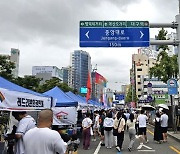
pixel 46 31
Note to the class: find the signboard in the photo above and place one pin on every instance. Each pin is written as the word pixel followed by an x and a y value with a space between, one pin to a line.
pixel 14 100
pixel 119 97
pixel 64 115
pixel 83 90
pixel 114 33
pixel 172 87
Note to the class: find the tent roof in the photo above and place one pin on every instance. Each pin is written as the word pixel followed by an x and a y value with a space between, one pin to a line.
pixel 14 87
pixel 81 102
pixel 63 100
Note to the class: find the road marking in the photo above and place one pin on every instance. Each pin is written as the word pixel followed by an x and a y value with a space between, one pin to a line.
pixel 174 149
pixel 150 132
pixel 146 150
pixel 142 145
pixel 98 148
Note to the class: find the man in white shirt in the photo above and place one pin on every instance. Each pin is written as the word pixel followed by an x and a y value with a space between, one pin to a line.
pixel 164 125
pixel 26 122
pixel 43 140
pixel 142 119
pixel 86 125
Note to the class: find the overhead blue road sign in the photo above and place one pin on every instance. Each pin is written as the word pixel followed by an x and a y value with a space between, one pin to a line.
pixel 114 33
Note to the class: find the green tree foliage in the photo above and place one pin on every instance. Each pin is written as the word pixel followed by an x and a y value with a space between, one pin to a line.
pixel 129 95
pixel 49 84
pixel 29 82
pixel 6 67
pixel 166 66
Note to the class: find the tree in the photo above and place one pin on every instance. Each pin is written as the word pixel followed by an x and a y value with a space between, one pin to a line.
pixel 129 95
pixel 29 82
pixel 49 84
pixel 6 67
pixel 166 67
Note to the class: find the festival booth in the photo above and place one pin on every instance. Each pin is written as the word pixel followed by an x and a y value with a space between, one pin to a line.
pixel 82 104
pixel 65 111
pixel 16 98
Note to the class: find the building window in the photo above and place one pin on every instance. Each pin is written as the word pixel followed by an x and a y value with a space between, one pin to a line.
pixel 139 76
pixel 139 89
pixel 139 82
pixel 139 96
pixel 145 86
pixel 139 69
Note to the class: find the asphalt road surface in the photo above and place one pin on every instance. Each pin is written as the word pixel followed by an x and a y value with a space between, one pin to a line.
pixel 171 147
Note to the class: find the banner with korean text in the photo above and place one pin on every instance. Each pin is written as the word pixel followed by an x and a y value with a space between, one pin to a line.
pixel 14 100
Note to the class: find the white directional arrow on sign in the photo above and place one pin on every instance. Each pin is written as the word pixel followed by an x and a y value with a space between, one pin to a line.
pixel 142 34
pixel 87 34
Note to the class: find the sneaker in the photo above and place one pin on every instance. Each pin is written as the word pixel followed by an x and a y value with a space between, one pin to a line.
pixel 129 149
pixel 110 147
pixel 102 144
pixel 118 148
pixel 147 141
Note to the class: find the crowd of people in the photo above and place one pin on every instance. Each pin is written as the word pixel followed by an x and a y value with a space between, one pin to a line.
pixel 108 125
pixel 105 123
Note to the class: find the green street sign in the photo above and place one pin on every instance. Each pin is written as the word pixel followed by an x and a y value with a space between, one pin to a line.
pixel 114 24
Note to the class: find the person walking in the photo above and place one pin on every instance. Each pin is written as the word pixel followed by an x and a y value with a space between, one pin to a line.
pixel 96 126
pixel 119 121
pixel 132 131
pixel 164 124
pixel 157 128
pixel 86 125
pixel 108 130
pixel 142 119
pixel 102 117
pixel 42 139
pixel 26 122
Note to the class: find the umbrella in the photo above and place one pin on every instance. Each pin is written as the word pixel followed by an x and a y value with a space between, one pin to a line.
pixel 148 107
pixel 164 106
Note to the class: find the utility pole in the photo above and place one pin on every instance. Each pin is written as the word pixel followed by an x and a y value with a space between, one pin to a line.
pixel 175 42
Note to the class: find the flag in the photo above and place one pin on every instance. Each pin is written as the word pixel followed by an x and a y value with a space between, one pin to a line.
pixel 88 95
pixel 99 79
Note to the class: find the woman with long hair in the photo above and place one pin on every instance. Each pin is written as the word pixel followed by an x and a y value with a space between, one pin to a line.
pixel 132 131
pixel 119 124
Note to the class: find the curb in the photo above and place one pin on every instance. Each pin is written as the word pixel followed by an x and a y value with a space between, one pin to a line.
pixel 170 135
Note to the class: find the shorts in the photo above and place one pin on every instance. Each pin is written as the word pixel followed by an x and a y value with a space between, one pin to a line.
pixel 102 131
pixel 164 129
pixel 142 131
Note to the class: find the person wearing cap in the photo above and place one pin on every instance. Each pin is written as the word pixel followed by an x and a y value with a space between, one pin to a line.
pixel 26 122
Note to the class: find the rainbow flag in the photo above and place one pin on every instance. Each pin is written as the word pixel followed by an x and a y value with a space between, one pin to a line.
pixel 1 97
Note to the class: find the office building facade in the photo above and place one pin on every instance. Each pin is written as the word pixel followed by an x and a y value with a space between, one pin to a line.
pixel 80 65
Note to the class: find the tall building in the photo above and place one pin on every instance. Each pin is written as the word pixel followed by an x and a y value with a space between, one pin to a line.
pixel 81 64
pixel 65 71
pixel 14 57
pixel 47 72
pixel 141 63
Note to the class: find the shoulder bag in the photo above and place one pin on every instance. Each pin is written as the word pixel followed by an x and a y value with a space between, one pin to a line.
pixel 115 131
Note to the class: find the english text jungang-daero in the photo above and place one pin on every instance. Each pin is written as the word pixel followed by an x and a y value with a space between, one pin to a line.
pixel 25 102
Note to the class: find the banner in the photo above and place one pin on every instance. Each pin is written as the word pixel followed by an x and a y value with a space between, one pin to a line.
pixel 99 79
pixel 14 100
pixel 64 115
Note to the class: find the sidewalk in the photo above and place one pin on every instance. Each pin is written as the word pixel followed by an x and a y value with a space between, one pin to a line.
pixel 176 135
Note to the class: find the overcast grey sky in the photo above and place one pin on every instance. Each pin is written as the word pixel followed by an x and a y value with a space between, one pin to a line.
pixel 46 31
